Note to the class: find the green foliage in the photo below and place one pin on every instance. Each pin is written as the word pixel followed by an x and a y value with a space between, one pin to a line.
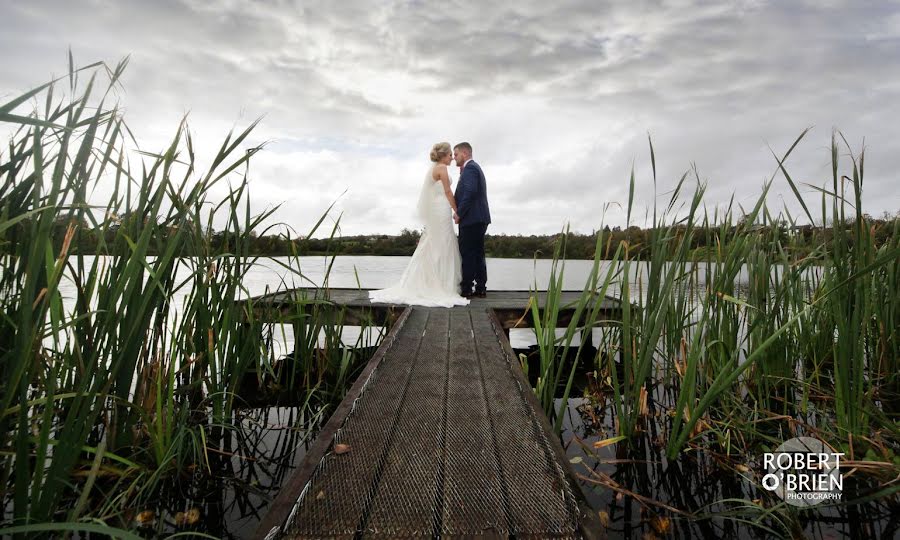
pixel 813 334
pixel 553 349
pixel 135 375
pixel 804 238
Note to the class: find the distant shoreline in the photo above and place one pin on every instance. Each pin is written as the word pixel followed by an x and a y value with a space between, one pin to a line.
pixel 798 241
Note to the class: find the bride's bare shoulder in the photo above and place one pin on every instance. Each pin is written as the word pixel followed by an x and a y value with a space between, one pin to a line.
pixel 439 171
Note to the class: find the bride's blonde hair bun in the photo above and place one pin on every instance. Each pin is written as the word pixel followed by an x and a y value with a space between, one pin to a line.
pixel 439 150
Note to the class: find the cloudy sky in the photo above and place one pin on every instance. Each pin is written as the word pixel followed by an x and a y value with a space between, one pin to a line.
pixel 557 97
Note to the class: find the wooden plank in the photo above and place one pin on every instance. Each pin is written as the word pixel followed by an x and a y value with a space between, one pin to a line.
pixel 446 439
pixel 359 298
pixel 340 492
pixel 289 494
pixel 473 492
pixel 412 466
pixel 589 523
pixel 537 495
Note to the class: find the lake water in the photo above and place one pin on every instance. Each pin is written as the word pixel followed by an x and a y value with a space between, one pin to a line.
pixel 380 272
pixel 277 438
pixel 375 272
pixel 371 272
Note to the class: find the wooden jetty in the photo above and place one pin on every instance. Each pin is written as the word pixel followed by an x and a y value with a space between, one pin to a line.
pixel 440 436
pixel 508 306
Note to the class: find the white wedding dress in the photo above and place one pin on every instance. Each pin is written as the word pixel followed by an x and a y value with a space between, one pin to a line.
pixel 433 274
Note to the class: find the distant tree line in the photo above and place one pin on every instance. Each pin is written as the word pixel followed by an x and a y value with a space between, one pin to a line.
pixel 802 239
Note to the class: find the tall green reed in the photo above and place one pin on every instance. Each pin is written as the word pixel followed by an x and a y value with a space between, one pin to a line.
pixel 120 385
pixel 645 318
pixel 840 304
pixel 770 320
pixel 587 312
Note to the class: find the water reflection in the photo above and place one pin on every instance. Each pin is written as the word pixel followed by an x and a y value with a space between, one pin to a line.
pixel 247 468
pixel 639 493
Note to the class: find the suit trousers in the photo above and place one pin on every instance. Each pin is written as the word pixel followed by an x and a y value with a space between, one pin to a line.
pixel 471 249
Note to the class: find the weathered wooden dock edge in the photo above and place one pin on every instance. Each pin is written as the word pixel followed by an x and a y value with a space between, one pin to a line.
pixel 286 502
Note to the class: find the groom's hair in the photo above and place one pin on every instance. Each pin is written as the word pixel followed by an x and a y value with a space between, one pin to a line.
pixel 465 146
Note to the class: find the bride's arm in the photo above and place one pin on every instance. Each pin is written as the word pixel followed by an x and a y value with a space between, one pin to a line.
pixel 444 177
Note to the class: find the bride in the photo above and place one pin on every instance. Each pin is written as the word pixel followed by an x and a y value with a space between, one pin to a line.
pixel 434 272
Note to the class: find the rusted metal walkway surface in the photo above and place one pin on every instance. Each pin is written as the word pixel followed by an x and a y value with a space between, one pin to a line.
pixel 441 436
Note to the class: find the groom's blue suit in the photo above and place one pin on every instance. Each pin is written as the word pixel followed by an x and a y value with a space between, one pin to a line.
pixel 474 217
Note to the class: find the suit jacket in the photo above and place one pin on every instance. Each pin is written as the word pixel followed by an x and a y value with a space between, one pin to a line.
pixel 471 196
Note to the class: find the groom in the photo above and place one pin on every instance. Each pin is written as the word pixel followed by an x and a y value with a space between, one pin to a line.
pixel 473 216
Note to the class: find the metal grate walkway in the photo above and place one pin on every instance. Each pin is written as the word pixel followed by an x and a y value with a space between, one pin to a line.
pixel 444 440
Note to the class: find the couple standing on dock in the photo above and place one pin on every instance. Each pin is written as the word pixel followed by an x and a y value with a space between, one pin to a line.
pixel 444 272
